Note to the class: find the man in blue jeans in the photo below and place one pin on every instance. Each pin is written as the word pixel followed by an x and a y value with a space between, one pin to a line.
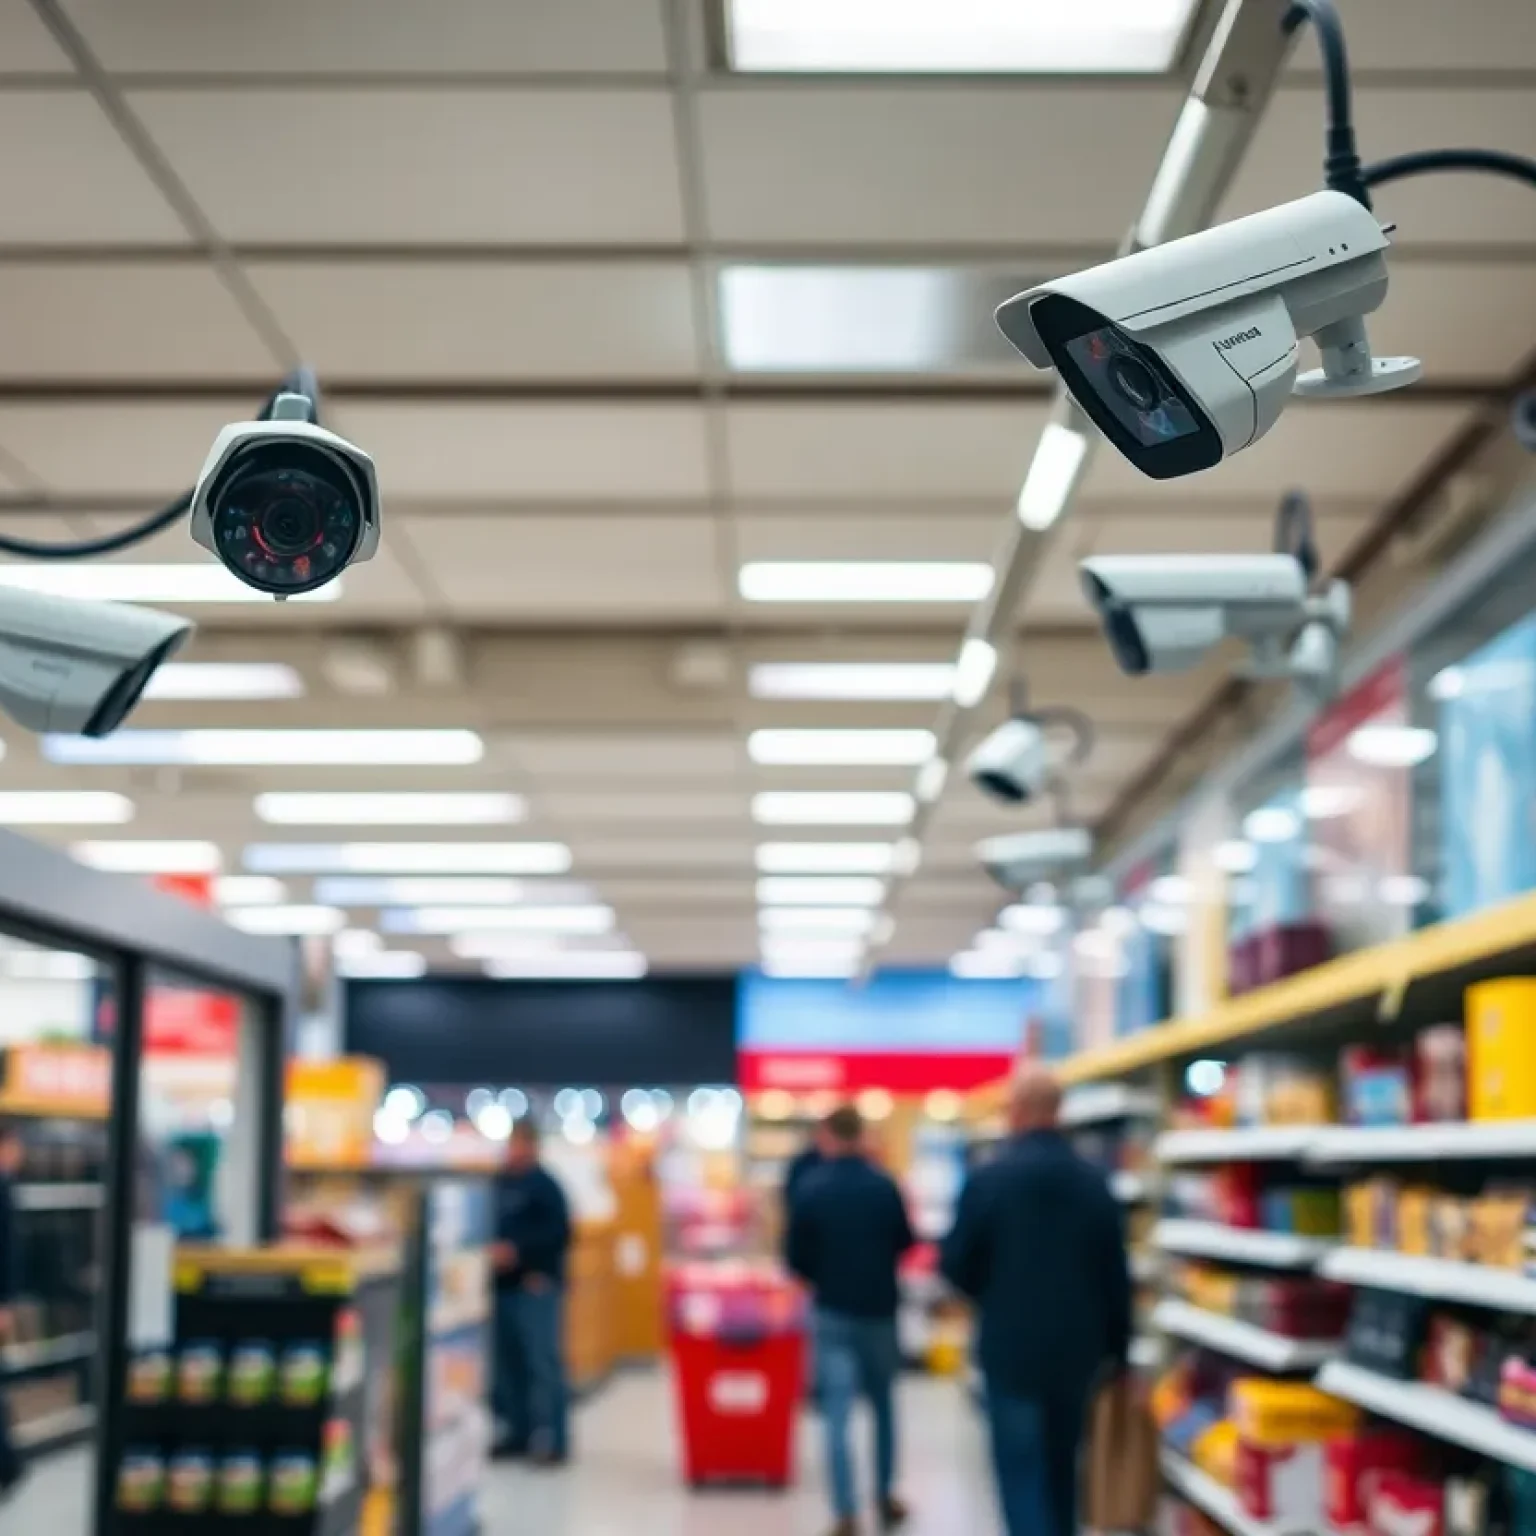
pixel 1038 1246
pixel 533 1235
pixel 847 1232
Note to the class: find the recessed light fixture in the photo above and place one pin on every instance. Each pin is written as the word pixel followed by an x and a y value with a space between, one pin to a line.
pixel 865 581
pixel 1092 37
pixel 820 891
pixel 64 808
pixel 1052 477
pixel 296 920
pixel 815 920
pixel 383 965
pixel 1448 683
pixel 408 858
pixel 931 779
pixel 974 671
pixel 351 943
pixel 444 891
pixel 839 748
pixel 852 808
pixel 191 584
pixel 571 965
pixel 430 809
pixel 1235 856
pixel 249 891
pixel 233 681
pixel 132 857
pixel 1403 890
pixel 1392 746
pixel 589 920
pixel 825 858
pixel 261 749
pixel 908 857
pixel 850 681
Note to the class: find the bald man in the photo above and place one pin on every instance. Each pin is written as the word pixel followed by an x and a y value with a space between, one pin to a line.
pixel 1039 1247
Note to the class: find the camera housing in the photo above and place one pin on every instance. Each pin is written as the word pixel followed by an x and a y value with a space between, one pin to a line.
pixel 285 504
pixel 1162 613
pixel 1017 860
pixel 77 667
pixel 1013 763
pixel 1186 353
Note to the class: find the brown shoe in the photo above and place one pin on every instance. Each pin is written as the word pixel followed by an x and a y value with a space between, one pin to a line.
pixel 893 1515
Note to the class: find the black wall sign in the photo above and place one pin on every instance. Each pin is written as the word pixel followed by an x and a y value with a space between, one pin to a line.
pixel 546 1034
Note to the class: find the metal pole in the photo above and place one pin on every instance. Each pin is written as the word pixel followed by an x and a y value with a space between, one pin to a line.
pixel 274 1024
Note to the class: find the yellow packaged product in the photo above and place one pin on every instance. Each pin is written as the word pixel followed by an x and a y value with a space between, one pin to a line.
pixel 1215 1452
pixel 1497 1228
pixel 1450 1228
pixel 1501 1049
pixel 1413 1208
pixel 1276 1414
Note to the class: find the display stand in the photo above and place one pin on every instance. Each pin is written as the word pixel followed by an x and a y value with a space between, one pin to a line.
pixel 127 927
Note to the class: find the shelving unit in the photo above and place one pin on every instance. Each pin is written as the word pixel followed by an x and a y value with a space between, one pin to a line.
pixel 1101 1102
pixel 1477 1285
pixel 1242 1341
pixel 1256 1144
pixel 1220 1503
pixel 59 1197
pixel 54 1428
pixel 1211 1240
pixel 1423 1143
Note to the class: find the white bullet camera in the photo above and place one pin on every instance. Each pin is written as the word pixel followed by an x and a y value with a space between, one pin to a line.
pixel 1162 613
pixel 1012 763
pixel 1017 860
pixel 1187 352
pixel 78 667
pixel 285 504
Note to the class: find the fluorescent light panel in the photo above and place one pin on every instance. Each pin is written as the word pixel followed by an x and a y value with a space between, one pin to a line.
pixel 865 581
pixel 988 965
pixel 864 808
pixel 1053 474
pixel 384 965
pixel 249 891
pixel 839 681
pixel 64 808
pixel 408 858
pixel 574 965
pixel 931 779
pixel 825 858
pixel 234 681
pixel 815 920
pixel 960 37
pixel 261 749
pixel 298 920
pixel 404 810
pixel 820 891
pixel 180 585
pixel 974 671
pixel 445 891
pixel 134 857
pixel 839 748
pixel 588 919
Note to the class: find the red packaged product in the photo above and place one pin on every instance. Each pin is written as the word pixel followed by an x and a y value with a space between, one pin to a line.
pixel 1235 1195
pixel 1351 1462
pixel 1403 1504
pixel 1281 1484
pixel 1440 1073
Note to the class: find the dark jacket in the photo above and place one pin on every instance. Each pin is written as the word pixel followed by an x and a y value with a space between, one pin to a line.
pixel 10 1253
pixel 1038 1245
pixel 532 1214
pixel 848 1229
pixel 801 1166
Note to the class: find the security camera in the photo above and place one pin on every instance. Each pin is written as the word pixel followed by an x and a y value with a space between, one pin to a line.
pixel 1162 613
pixel 285 504
pixel 1013 763
pixel 1017 860
pixel 78 667
pixel 1187 352
pixel 1522 417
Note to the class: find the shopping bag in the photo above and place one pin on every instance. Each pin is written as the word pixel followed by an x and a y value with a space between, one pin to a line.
pixel 1121 1476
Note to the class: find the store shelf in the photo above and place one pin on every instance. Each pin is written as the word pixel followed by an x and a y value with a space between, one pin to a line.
pixel 1479 1285
pixel 1145 1265
pixel 1146 1352
pixel 1128 1188
pixel 1467 1140
pixel 1099 1102
pixel 59 1197
pixel 1251 1144
pixel 1211 1240
pixel 1220 1503
pixel 34 1434
pixel 1240 1340
pixel 1442 1415
pixel 15 1358
pixel 1370 981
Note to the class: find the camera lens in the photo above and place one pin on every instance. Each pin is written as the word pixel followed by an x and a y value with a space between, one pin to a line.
pixel 1135 382
pixel 287 517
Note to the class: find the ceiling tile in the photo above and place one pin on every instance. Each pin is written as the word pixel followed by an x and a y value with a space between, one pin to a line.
pixel 485 319
pixel 1459 317
pixel 1241 533
pixel 424 167
pixel 66 177
pixel 327 37
pixel 593 854
pixel 602 809
pixel 26 47
pixel 1430 35
pixel 563 760
pixel 935 164
pixel 125 320
pixel 435 452
pixel 929 533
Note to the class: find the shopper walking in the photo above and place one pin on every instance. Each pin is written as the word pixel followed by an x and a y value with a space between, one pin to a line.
pixel 1038 1245
pixel 12 1152
pixel 533 1236
pixel 848 1229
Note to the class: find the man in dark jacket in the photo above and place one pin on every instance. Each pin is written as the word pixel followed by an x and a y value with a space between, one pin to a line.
pixel 533 1235
pixel 1038 1246
pixel 11 1155
pixel 847 1232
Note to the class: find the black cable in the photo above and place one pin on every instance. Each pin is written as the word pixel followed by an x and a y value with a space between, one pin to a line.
pixel 1489 162
pixel 301 381
pixel 1341 162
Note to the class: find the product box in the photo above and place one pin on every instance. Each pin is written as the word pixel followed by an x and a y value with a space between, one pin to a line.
pixel 1517 1391
pixel 1413 1207
pixel 1450 1228
pixel 1405 1504
pixel 1276 1414
pixel 1350 1463
pixel 1498 1226
pixel 1501 1049
pixel 1440 1073
pixel 1377 1086
pixel 1283 1484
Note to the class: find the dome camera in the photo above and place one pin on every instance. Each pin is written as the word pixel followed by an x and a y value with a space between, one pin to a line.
pixel 285 504
pixel 1019 760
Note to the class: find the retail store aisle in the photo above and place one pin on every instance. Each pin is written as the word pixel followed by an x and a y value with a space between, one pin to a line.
pixel 626 1479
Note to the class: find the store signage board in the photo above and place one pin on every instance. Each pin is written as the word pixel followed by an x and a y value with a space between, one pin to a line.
pixel 61 1080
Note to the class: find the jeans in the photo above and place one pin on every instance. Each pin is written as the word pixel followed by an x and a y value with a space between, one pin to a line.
pixel 856 1356
pixel 1035 1444
pixel 529 1389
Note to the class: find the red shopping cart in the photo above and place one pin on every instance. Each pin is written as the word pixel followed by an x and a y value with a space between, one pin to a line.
pixel 737 1335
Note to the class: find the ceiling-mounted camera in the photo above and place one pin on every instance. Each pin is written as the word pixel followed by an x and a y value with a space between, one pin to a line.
pixel 284 503
pixel 1020 760
pixel 1186 353
pixel 1017 860
pixel 78 667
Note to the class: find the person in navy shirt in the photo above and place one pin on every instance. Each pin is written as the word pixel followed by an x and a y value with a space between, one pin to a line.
pixel 12 1152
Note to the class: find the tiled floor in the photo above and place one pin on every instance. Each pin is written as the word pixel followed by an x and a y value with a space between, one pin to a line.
pixel 625 1479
